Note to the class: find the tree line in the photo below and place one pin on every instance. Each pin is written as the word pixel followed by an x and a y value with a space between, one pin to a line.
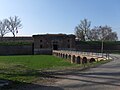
pixel 83 32
pixel 10 25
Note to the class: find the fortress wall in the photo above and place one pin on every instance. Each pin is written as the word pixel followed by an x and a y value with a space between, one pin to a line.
pixel 96 47
pixel 16 50
pixel 16 39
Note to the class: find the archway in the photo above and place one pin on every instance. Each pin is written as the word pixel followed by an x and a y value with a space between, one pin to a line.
pixel 78 60
pixel 92 60
pixel 66 56
pixel 84 60
pixel 55 45
pixel 69 57
pixel 63 55
pixel 73 59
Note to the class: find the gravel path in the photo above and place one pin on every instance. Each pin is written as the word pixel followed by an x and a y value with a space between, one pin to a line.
pixel 104 77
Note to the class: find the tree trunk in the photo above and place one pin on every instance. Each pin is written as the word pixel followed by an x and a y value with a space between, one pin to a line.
pixel 14 35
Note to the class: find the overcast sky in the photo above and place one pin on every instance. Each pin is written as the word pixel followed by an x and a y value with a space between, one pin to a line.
pixel 61 16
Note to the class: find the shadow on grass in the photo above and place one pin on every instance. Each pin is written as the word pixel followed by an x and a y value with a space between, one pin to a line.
pixel 18 76
pixel 59 74
pixel 15 85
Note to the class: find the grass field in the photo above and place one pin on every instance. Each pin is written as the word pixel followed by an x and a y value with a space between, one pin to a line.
pixel 27 68
pixel 34 61
pixel 30 68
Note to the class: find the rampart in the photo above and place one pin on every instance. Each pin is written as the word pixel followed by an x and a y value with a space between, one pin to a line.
pixel 16 46
pixel 44 44
pixel 16 50
pixel 95 46
pixel 16 39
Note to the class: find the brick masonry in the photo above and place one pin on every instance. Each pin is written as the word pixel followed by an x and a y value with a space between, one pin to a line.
pixel 45 43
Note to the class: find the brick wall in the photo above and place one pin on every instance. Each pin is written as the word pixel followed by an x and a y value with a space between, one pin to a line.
pixel 16 50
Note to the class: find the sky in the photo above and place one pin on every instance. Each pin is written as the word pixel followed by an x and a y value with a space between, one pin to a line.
pixel 60 16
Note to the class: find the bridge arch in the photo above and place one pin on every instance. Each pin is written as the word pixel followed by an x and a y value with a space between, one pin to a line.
pixel 66 56
pixel 84 60
pixel 69 57
pixel 59 54
pixel 63 55
pixel 78 59
pixel 73 59
pixel 92 60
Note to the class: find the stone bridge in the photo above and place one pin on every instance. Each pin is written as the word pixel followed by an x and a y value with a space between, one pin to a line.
pixel 80 57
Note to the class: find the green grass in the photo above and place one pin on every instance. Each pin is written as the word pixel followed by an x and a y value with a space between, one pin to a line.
pixel 28 68
pixel 35 61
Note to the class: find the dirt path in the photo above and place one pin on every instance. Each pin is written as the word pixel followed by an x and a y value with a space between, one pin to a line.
pixel 104 77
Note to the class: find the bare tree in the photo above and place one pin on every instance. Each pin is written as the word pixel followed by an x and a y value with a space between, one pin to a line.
pixel 112 36
pixel 82 30
pixel 93 34
pixel 3 28
pixel 14 23
pixel 79 34
pixel 103 33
